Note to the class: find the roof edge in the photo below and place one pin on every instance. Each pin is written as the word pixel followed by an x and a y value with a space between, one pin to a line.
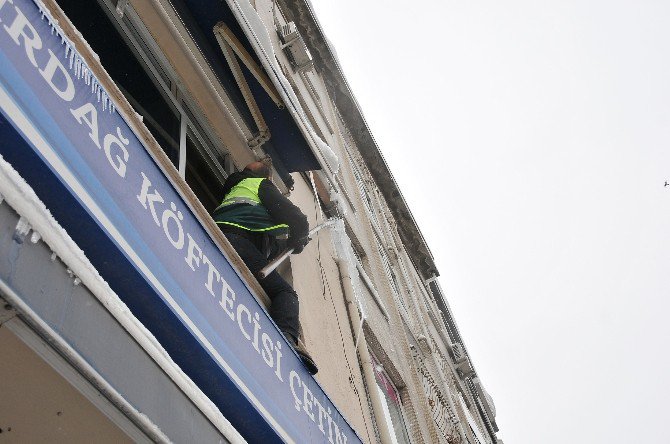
pixel 325 60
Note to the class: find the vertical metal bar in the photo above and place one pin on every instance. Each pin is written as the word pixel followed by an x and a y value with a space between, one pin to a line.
pixel 273 264
pixel 182 146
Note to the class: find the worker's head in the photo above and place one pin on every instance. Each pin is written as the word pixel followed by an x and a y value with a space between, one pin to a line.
pixel 262 168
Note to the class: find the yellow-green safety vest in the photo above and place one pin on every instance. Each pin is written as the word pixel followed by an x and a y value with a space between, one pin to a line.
pixel 242 208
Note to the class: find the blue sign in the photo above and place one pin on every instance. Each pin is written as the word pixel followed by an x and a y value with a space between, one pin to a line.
pixel 52 99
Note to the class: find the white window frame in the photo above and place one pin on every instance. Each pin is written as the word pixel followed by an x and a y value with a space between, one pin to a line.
pixel 390 425
pixel 141 43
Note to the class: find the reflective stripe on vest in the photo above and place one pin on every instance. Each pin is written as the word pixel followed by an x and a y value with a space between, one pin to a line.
pixel 245 192
pixel 237 200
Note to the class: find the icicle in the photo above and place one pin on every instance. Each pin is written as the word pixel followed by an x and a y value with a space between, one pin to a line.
pixel 35 237
pixel 76 62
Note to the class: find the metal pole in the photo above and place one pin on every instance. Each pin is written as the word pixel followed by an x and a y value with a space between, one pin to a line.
pixel 274 263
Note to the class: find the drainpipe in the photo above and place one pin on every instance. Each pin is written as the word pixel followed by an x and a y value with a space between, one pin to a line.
pixel 364 357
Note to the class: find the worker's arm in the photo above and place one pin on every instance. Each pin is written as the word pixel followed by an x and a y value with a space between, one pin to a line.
pixel 283 211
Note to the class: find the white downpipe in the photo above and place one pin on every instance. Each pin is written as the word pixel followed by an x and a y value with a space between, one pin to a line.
pixel 364 355
pixel 371 289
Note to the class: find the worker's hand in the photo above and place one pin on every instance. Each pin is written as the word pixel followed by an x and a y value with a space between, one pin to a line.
pixel 298 244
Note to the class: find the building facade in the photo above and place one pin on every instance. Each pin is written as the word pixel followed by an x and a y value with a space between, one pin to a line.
pixel 125 312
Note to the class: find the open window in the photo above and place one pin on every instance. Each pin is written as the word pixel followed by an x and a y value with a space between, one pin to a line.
pixel 392 405
pixel 137 67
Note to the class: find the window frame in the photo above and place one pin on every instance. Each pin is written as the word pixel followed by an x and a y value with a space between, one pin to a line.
pixel 393 427
pixel 157 67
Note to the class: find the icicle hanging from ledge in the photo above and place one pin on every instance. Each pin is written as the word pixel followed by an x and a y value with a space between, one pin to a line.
pixel 76 62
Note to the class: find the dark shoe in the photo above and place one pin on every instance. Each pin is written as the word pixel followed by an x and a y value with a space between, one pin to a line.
pixel 306 358
pixel 300 348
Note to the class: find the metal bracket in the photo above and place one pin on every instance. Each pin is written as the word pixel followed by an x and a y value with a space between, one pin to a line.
pixel 258 140
pixel 230 45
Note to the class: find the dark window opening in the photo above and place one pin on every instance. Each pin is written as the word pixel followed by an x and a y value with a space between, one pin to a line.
pixel 160 117
pixel 151 92
pixel 200 176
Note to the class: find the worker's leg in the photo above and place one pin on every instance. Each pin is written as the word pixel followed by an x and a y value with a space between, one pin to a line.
pixel 285 307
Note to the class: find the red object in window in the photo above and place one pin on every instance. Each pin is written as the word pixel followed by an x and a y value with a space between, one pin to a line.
pixel 384 381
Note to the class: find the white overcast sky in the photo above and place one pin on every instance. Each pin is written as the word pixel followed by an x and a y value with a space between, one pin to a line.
pixel 531 139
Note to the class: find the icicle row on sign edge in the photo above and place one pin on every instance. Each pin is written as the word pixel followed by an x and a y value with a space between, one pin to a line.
pixel 77 64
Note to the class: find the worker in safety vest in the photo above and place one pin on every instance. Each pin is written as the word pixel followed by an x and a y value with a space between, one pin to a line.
pixel 254 214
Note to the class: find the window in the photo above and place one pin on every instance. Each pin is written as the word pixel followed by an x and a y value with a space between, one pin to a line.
pixel 362 189
pixel 402 259
pixel 391 404
pixel 125 50
pixel 309 78
pixel 359 251
pixel 390 273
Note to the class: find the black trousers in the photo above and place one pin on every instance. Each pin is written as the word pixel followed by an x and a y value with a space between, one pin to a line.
pixel 285 307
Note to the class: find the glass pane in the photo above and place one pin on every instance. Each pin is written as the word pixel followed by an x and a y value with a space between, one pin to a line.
pixel 392 405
